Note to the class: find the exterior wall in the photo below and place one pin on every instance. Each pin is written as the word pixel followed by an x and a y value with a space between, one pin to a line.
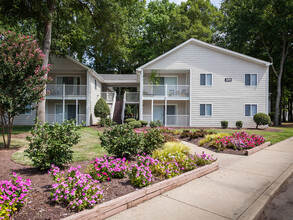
pixel 182 107
pixel 95 94
pixel 25 119
pixel 228 98
pixel 51 105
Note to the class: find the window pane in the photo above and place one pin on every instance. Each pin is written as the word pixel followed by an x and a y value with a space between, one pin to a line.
pixel 202 109
pixel 202 79
pixel 209 109
pixel 247 110
pixel 253 79
pixel 209 79
pixel 253 110
pixel 247 79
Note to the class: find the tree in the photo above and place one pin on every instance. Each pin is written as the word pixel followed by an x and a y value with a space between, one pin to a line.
pixel 22 78
pixel 262 28
pixel 102 109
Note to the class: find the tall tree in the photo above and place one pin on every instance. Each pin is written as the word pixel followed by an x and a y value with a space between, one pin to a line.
pixel 262 28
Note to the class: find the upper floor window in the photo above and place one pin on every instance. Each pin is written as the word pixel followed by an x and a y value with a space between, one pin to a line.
pixel 28 110
pixel 205 109
pixel 169 80
pixel 95 84
pixel 251 79
pixel 250 109
pixel 206 79
pixel 68 80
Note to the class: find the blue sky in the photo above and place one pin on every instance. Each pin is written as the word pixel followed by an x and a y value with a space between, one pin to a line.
pixel 216 3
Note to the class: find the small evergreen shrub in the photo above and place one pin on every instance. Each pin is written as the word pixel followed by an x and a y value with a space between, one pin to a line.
pixel 52 144
pixel 102 109
pixel 135 124
pixel 169 138
pixel 129 120
pixel 157 123
pixel 153 139
pixel 261 119
pixel 121 141
pixel 185 134
pixel 106 122
pixel 239 124
pixel 143 123
pixel 224 124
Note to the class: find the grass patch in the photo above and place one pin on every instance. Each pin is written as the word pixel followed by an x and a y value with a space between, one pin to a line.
pixel 88 148
pixel 21 129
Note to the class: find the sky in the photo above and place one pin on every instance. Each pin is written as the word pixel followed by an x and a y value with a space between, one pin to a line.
pixel 216 3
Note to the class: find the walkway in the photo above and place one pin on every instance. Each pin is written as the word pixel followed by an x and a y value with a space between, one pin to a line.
pixel 238 190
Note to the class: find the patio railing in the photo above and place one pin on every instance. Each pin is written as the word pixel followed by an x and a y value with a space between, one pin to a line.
pixel 52 118
pixel 170 91
pixel 108 96
pixel 62 90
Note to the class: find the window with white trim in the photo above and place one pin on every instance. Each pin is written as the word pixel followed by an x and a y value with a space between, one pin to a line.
pixel 251 79
pixel 206 79
pixel 250 109
pixel 205 109
pixel 28 110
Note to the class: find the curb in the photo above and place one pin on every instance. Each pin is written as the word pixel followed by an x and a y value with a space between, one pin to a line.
pixel 256 208
pixel 258 148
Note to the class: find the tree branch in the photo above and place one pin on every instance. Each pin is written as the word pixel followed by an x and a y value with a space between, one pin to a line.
pixel 269 55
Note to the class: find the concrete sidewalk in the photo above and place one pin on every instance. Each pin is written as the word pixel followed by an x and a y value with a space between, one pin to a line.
pixel 238 190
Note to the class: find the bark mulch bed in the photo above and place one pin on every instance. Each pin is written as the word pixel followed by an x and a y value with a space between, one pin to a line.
pixel 39 205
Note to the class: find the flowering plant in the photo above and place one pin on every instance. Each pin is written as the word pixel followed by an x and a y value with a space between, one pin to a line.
pixel 167 169
pixel 13 194
pixel 77 190
pixel 105 168
pixel 140 175
pixel 202 159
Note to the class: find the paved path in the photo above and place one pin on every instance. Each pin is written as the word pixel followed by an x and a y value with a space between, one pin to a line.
pixel 236 191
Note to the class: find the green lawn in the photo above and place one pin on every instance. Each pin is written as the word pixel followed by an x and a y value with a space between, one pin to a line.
pixel 88 148
pixel 21 129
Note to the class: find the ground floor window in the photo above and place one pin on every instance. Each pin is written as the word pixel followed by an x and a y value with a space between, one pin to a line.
pixel 205 109
pixel 250 109
pixel 159 113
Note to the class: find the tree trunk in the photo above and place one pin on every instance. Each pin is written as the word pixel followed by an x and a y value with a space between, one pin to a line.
pixel 46 50
pixel 290 112
pixel 278 99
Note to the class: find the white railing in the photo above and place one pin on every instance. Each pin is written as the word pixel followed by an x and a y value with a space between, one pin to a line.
pixel 52 118
pixel 147 118
pixel 113 106
pixel 175 91
pixel 61 90
pixel 123 108
pixel 132 97
pixel 108 96
pixel 177 120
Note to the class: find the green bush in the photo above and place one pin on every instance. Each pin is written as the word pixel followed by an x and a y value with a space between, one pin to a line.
pixel 102 109
pixel 224 124
pixel 169 138
pixel 157 123
pixel 239 124
pixel 129 120
pixel 52 144
pixel 106 122
pixel 261 119
pixel 185 134
pixel 153 139
pixel 143 123
pixel 121 141
pixel 135 124
pixel 170 150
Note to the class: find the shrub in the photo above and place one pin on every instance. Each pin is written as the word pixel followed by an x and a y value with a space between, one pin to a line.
pixel 105 168
pixel 140 175
pixel 104 122
pixel 169 138
pixel 157 123
pixel 153 139
pixel 261 119
pixel 185 134
pixel 121 141
pixel 224 124
pixel 76 190
pixel 129 120
pixel 13 195
pixel 170 149
pixel 135 124
pixel 143 123
pixel 52 144
pixel 102 109
pixel 239 124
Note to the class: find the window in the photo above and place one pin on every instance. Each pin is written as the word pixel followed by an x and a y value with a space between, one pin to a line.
pixel 250 109
pixel 206 79
pixel 95 84
pixel 28 110
pixel 205 109
pixel 251 79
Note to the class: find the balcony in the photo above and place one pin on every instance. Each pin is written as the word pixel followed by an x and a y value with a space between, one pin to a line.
pixel 171 120
pixel 59 91
pixel 178 92
pixel 108 96
pixel 132 97
pixel 53 118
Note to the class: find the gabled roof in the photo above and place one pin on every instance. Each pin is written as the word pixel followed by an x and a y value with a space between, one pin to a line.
pixel 209 46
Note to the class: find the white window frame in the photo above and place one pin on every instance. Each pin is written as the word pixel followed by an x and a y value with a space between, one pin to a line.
pixel 251 104
pixel 206 79
pixel 250 79
pixel 205 113
pixel 28 113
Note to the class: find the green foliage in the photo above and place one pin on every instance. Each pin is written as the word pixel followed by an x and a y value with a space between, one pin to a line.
pixel 52 144
pixel 154 78
pixel 102 109
pixel 143 123
pixel 129 120
pixel 272 116
pixel 135 124
pixel 128 111
pixel 169 138
pixel 121 141
pixel 261 119
pixel 198 133
pixel 212 137
pixel 171 149
pixel 106 122
pixel 154 124
pixel 153 139
pixel 224 124
pixel 185 134
pixel 239 124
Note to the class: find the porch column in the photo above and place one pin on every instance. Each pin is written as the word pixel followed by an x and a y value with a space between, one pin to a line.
pixel 87 111
pixel 63 106
pixel 152 110
pixel 166 112
pixel 76 112
pixel 140 96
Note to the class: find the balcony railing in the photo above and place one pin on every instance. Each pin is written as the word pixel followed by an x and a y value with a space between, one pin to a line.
pixel 170 91
pixel 53 118
pixel 63 90
pixel 132 97
pixel 108 96
pixel 171 120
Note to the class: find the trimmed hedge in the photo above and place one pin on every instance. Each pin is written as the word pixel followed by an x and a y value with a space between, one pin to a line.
pixel 135 124
pixel 143 123
pixel 224 124
pixel 239 124
pixel 261 119
pixel 129 120
pixel 102 109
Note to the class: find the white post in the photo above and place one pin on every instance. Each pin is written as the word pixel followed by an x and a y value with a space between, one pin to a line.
pixel 140 96
pixel 166 112
pixel 76 111
pixel 63 106
pixel 87 112
pixel 152 110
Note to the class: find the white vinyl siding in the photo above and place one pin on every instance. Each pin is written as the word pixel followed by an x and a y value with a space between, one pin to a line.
pixel 250 109
pixel 251 79
pixel 206 79
pixel 205 109
pixel 95 94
